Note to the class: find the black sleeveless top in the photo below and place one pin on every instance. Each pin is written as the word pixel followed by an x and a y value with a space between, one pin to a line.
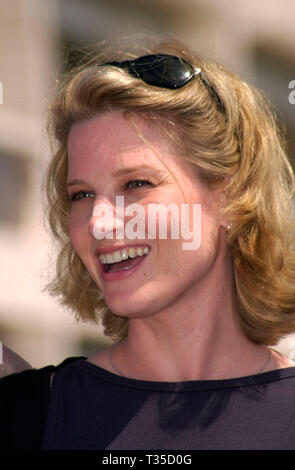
pixel 91 408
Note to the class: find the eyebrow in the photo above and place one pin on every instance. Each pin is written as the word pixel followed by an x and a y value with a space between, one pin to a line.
pixel 75 182
pixel 122 171
pixel 133 169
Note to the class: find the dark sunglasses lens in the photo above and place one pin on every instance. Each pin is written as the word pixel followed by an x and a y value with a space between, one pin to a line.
pixel 161 70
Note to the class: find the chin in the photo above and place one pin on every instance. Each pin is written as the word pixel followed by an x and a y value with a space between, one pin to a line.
pixel 129 306
pixel 125 309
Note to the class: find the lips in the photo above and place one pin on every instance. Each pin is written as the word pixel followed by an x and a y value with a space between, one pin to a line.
pixel 118 262
pixel 121 265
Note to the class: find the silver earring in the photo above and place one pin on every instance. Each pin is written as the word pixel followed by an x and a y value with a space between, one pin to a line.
pixel 228 227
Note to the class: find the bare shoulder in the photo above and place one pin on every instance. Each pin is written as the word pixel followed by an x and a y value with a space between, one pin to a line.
pixel 280 360
pixel 12 362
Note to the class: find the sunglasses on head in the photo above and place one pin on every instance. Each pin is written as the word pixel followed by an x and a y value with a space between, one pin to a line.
pixel 165 71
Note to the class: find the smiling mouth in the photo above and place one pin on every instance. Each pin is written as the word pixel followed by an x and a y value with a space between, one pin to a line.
pixel 123 259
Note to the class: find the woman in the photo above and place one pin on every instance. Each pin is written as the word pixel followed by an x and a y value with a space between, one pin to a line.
pixel 191 366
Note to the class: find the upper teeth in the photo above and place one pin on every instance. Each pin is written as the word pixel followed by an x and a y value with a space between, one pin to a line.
pixel 124 253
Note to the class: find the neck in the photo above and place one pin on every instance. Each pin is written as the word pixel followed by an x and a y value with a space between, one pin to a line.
pixel 203 344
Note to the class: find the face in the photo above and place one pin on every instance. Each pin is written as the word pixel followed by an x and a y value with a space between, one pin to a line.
pixel 107 158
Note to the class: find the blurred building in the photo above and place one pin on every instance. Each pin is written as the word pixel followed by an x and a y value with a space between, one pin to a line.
pixel 254 39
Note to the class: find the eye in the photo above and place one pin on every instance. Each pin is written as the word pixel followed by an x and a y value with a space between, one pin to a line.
pixel 80 195
pixel 139 183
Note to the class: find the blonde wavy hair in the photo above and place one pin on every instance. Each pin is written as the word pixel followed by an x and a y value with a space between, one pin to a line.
pixel 234 138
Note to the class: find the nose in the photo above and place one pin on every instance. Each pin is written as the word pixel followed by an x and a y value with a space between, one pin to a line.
pixel 107 221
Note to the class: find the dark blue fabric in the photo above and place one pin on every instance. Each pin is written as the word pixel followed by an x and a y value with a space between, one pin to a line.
pixel 91 408
pixel 24 402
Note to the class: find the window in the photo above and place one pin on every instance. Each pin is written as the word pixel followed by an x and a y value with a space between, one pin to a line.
pixel 275 67
pixel 13 186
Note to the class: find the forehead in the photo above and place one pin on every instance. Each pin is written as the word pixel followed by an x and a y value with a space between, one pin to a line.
pixel 110 139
